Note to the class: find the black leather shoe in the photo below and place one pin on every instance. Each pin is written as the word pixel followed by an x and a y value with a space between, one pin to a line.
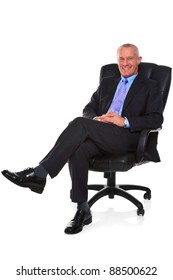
pixel 26 179
pixel 80 219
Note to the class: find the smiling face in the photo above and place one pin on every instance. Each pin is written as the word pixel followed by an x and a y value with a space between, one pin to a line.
pixel 128 60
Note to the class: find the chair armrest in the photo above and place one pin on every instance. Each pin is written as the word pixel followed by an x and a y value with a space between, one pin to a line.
pixel 143 139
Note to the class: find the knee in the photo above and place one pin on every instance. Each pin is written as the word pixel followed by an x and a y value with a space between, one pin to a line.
pixel 77 121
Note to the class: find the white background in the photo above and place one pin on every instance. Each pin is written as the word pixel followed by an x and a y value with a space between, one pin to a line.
pixel 50 57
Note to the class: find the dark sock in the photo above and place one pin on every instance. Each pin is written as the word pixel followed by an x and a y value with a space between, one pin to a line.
pixel 83 206
pixel 40 171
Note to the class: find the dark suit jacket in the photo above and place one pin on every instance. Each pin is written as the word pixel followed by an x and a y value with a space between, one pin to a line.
pixel 142 107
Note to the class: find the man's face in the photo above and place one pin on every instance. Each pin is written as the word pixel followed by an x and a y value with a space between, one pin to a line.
pixel 128 61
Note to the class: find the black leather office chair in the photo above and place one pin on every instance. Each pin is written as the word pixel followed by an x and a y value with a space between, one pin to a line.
pixel 112 164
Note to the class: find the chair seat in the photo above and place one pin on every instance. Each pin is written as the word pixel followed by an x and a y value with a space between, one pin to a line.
pixel 113 163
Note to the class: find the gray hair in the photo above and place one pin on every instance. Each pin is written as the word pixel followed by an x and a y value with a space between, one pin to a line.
pixel 128 45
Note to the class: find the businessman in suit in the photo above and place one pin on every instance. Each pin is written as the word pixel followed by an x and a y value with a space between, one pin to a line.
pixel 111 124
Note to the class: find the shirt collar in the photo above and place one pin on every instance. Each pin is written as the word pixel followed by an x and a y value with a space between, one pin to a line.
pixel 130 79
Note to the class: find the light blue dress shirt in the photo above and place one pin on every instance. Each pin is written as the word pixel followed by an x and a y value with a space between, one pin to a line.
pixel 130 81
pixel 128 85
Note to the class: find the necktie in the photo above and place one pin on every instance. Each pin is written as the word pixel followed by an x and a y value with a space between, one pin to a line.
pixel 119 97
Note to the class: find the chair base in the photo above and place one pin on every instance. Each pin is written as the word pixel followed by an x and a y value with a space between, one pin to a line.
pixel 111 189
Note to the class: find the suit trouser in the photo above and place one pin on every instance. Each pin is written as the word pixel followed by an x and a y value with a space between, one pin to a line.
pixel 82 139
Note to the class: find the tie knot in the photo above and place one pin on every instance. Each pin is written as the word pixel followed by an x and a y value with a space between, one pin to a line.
pixel 125 81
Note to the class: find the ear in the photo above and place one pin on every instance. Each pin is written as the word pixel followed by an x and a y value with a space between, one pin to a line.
pixel 139 59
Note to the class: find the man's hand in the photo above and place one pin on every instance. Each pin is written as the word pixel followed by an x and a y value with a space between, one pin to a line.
pixel 111 117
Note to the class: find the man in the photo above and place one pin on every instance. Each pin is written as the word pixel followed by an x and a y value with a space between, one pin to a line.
pixel 111 124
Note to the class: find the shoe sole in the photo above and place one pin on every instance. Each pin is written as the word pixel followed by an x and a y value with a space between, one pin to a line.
pixel 32 188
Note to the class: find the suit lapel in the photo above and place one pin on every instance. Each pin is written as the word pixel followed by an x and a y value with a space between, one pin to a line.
pixel 110 94
pixel 134 89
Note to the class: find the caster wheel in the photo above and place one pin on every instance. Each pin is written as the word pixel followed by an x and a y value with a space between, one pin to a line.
pixel 147 196
pixel 140 212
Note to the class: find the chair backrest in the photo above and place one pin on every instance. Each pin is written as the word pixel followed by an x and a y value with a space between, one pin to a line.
pixel 160 73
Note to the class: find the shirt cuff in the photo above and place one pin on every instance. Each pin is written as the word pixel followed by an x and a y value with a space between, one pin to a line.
pixel 126 123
